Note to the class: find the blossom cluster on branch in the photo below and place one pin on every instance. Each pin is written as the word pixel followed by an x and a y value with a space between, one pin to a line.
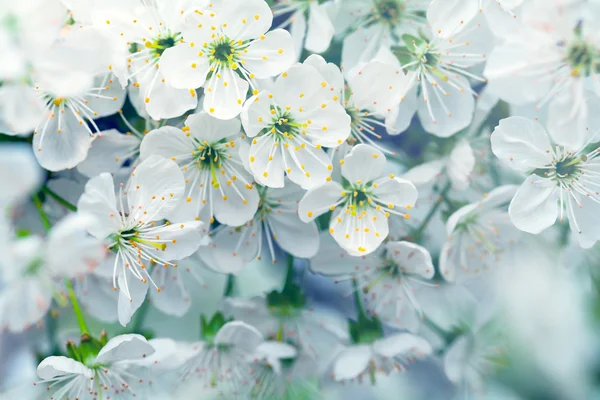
pixel 299 199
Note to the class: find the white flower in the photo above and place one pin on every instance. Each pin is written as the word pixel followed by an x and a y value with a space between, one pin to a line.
pixel 141 32
pixel 226 47
pixel 372 92
pixel 478 236
pixel 317 333
pixel 290 126
pixel 375 24
pixel 31 268
pixel 362 204
pixel 441 69
pixel 387 278
pixel 275 221
pixel 385 355
pixel 445 15
pixel 552 61
pixel 314 34
pixel 207 152
pixel 224 357
pixel 562 181
pixel 25 175
pixel 108 373
pixel 455 169
pixel 132 224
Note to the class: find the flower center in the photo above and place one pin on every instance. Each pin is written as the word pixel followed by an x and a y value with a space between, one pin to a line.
pixel 225 52
pixel 131 237
pixel 283 126
pixel 389 11
pixel 209 157
pixel 583 57
pixel 159 44
pixel 358 198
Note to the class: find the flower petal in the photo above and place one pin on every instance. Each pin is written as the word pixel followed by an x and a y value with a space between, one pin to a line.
pixel 521 143
pixel 535 206
pixel 155 188
pixel 99 200
pixel 352 362
pixel 317 201
pixel 240 335
pixel 124 348
pixel 364 163
pixel 224 94
pixel 294 236
pixel 412 258
pixel 183 68
pixel 404 344
pixel 270 55
pixel 55 366
pixel 109 151
pixel 320 29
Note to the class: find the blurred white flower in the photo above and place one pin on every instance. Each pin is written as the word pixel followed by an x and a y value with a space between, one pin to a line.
pixel 107 372
pixel 275 221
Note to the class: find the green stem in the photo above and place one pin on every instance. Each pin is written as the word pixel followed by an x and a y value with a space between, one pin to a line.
pixel 356 293
pixel 40 208
pixel 229 285
pixel 59 199
pixel 417 234
pixel 80 320
pixel 289 278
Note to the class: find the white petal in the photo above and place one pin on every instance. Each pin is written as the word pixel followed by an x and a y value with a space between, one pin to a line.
pixel 425 173
pixel 173 298
pixel 271 55
pixel 535 206
pixel 352 362
pixel 155 189
pixel 206 128
pixel 183 68
pixel 61 144
pixel 317 201
pixel 240 335
pixel 124 348
pixel 246 20
pixel 570 117
pixel 412 258
pixel 456 359
pixel 167 142
pixel 294 236
pixel 182 239
pixel 333 260
pixel 400 119
pixel 21 108
pixel 306 166
pixel 99 200
pixel 56 366
pixel 449 113
pixel 234 248
pixel 364 163
pixel 224 94
pixel 109 151
pixel 329 71
pixel 395 191
pixel 447 16
pixel 460 165
pixel 85 252
pixel 128 304
pixel 521 143
pixel 320 29
pixel 236 204
pixel 166 101
pixel 256 113
pixel 302 86
pixel 403 344
pixel 266 161
pixel 379 87
pixel 359 234
pixel 25 174
pixel 330 125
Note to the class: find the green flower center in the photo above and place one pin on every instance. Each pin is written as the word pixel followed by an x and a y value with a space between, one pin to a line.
pixel 208 157
pixel 583 57
pixel 283 126
pixel 389 11
pixel 159 44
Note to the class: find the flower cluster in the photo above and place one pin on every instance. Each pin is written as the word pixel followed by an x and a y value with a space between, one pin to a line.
pixel 299 199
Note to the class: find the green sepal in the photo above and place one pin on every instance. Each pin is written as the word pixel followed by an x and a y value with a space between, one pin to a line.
pixel 211 327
